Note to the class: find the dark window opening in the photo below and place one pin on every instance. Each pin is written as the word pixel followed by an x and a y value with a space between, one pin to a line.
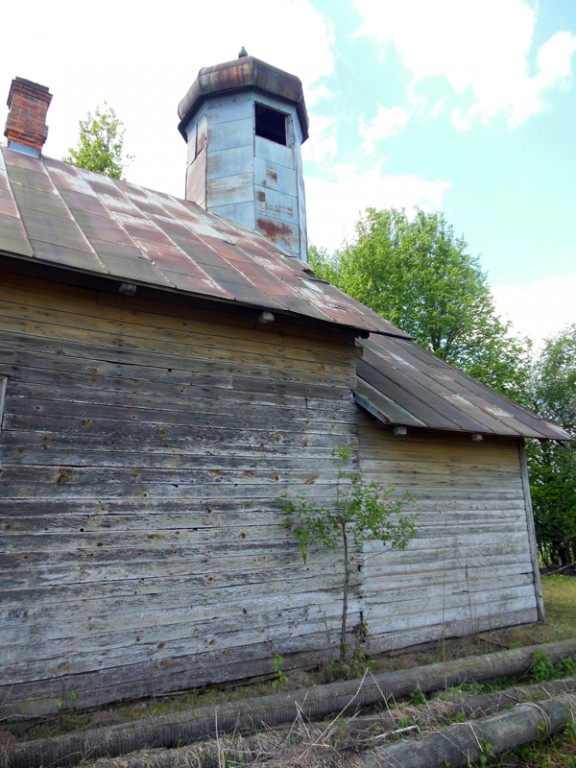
pixel 271 124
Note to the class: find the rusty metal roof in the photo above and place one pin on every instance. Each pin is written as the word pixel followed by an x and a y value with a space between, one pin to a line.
pixel 241 73
pixel 54 213
pixel 403 384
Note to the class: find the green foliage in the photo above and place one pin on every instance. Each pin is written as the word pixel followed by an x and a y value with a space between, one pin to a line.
pixel 405 722
pixel 354 664
pixel 553 465
pixel 418 275
pixel 543 670
pixel 486 755
pixel 281 676
pixel 417 697
pixel 100 144
pixel 361 511
pixel 72 698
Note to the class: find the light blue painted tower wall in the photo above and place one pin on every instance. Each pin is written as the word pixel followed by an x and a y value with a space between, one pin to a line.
pixel 249 179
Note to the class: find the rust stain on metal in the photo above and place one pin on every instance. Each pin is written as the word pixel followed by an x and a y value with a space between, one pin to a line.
pixel 278 233
pixel 247 72
pixel 261 196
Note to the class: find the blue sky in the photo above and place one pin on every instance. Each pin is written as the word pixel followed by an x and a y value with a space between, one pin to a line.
pixel 464 106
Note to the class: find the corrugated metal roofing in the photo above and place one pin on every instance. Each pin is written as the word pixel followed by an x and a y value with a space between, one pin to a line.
pixel 55 213
pixel 403 384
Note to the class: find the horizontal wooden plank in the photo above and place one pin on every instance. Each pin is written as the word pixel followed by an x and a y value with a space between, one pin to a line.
pixel 153 677
pixel 121 327
pixel 150 382
pixel 470 611
pixel 162 314
pixel 92 649
pixel 67 568
pixel 400 639
pixel 95 361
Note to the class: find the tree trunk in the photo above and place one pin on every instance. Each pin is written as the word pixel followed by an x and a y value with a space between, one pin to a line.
pixel 462 745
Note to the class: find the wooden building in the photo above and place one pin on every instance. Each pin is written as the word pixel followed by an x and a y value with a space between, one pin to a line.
pixel 165 375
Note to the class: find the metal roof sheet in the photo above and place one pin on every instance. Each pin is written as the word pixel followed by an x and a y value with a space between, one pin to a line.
pixel 55 213
pixel 403 384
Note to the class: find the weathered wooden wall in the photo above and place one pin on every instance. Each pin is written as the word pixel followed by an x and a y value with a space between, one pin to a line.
pixel 143 446
pixel 469 568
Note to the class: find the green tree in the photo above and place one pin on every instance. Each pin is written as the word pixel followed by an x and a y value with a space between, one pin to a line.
pixel 360 512
pixel 553 465
pixel 100 144
pixel 418 275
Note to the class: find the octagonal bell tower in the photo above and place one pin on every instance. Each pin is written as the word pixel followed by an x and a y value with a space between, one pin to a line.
pixel 244 122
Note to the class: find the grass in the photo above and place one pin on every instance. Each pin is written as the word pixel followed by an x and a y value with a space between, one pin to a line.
pixel 560 624
pixel 559 752
pixel 560 599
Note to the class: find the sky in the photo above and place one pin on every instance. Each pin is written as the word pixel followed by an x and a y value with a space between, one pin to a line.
pixel 461 106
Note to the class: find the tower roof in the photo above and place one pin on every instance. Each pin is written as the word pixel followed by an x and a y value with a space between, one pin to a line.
pixel 241 74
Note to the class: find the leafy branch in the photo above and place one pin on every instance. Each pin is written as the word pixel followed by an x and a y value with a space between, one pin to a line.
pixel 362 511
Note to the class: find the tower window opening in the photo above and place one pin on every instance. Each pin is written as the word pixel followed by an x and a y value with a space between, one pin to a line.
pixel 271 124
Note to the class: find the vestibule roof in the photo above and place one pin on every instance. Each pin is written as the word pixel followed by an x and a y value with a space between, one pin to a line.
pixel 400 383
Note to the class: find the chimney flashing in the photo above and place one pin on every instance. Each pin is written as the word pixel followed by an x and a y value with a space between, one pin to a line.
pixel 24 149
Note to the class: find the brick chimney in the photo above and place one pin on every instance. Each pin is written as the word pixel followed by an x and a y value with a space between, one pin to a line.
pixel 26 128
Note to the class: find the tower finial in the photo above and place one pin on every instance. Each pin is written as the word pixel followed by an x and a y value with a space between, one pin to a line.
pixel 243 53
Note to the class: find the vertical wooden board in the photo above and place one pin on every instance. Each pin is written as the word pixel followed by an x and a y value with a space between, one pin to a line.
pixel 531 530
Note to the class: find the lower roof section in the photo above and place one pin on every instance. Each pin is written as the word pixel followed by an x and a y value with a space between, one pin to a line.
pixel 402 384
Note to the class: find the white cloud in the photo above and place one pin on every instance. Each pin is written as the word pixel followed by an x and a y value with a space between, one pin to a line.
pixel 142 62
pixel 322 146
pixel 538 310
pixel 482 48
pixel 333 205
pixel 317 93
pixel 555 59
pixel 388 121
